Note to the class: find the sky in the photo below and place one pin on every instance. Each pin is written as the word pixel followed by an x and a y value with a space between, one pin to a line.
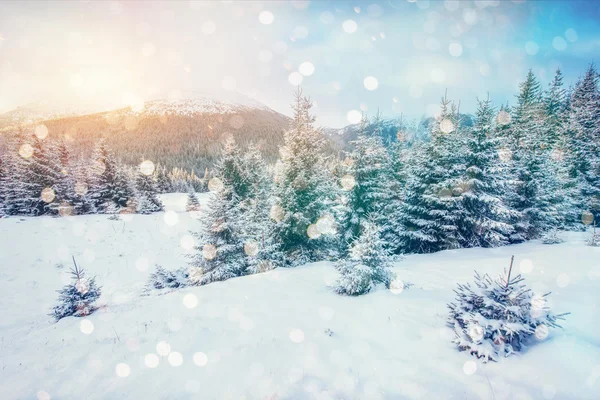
pixel 395 56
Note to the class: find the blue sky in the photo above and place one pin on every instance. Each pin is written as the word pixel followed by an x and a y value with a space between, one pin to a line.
pixel 108 53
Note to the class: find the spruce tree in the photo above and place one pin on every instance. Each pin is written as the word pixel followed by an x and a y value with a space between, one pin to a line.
pixel 582 153
pixel 41 177
pixel 3 174
pixel 494 317
pixel 78 298
pixel 366 185
pixel 220 254
pixel 400 158
pixel 192 204
pixel 147 196
pixel 69 200
pixel 16 199
pixel 260 245
pixel 109 188
pixel 432 208
pixel 367 265
pixel 161 177
pixel 486 219
pixel 535 190
pixel 303 189
pixel 555 107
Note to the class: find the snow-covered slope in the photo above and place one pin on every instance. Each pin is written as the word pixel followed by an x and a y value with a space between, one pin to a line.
pixel 264 336
pixel 193 102
pixel 40 111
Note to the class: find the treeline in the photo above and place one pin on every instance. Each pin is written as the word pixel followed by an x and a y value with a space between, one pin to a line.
pixel 189 142
pixel 516 173
pixel 41 177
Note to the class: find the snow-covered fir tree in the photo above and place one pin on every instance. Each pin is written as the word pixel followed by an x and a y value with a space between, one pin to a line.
pixel 555 107
pixel 495 317
pixel 147 194
pixel 12 185
pixel 3 174
pixel 366 185
pixel 260 245
pixel 583 145
pixel 72 199
pixel 192 204
pixel 432 208
pixel 109 189
pixel 77 298
pixel 220 254
pixel 367 265
pixel 41 177
pixel 303 189
pixel 400 158
pixel 486 217
pixel 535 192
pixel 166 279
pixel 552 237
pixel 161 177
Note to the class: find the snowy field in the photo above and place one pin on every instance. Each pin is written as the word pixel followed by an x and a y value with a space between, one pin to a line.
pixel 277 335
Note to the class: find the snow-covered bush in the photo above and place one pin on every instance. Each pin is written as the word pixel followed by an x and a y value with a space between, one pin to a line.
pixel 77 298
pixel 552 237
pixel 164 279
pixel 594 239
pixel 367 265
pixel 495 317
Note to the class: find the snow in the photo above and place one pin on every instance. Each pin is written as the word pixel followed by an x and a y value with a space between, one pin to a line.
pixel 212 102
pixel 280 334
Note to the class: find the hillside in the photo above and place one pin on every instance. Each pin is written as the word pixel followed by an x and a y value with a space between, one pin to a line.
pixel 185 133
pixel 279 335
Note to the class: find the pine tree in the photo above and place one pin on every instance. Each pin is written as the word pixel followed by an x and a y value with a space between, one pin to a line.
pixel 41 178
pixel 192 204
pixel 303 189
pixel 3 174
pixel 161 177
pixel 221 251
pixel 367 265
pixel 78 298
pixel 109 188
pixel 555 107
pixel 400 158
pixel 366 185
pixel 494 317
pixel 69 200
pixel 147 197
pixel 535 190
pixel 582 153
pixel 433 208
pixel 260 245
pixel 486 219
pixel 16 200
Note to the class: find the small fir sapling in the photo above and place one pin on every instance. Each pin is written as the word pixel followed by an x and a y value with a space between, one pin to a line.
pixel 164 279
pixel 495 317
pixel 552 237
pixel 367 265
pixel 77 298
pixel 594 240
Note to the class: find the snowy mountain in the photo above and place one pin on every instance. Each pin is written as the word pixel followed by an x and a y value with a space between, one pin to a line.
pixel 281 334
